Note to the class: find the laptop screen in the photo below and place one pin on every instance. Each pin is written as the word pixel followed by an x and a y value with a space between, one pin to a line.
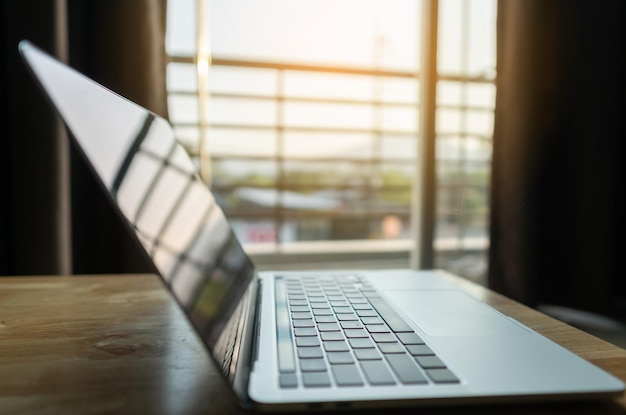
pixel 154 184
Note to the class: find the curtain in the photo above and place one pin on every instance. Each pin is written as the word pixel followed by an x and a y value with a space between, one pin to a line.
pixel 54 219
pixel 557 179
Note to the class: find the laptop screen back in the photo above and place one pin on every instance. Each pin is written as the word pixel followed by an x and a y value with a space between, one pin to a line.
pixel 155 186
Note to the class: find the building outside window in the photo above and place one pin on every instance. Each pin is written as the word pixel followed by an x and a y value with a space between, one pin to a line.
pixel 306 119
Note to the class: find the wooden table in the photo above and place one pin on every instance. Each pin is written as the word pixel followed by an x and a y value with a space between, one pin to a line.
pixel 119 344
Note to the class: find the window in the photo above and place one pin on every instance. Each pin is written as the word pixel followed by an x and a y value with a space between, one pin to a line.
pixel 305 119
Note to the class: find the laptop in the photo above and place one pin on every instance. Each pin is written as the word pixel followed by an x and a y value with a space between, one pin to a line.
pixel 302 340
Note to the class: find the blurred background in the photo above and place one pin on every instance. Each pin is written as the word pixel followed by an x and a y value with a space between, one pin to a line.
pixel 483 137
pixel 303 117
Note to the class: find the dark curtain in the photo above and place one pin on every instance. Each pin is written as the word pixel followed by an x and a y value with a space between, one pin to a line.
pixel 54 218
pixel 558 165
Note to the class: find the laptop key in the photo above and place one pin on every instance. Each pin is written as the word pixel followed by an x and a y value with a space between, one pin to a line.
pixel 303 323
pixel 331 335
pixel 313 365
pixel 336 346
pixel 391 317
pixel 328 327
pixel 288 380
pixel 305 331
pixel 372 320
pixel 298 302
pixel 430 362
pixel 347 317
pixel 347 375
pixel 286 360
pixel 410 338
pixel 352 333
pixel 367 313
pixel 285 349
pixel 442 376
pixel 339 358
pixel 307 341
pixel 322 312
pixel 377 328
pixel 419 350
pixel 388 348
pixel 376 372
pixel 310 352
pixel 361 343
pixel 383 338
pixel 367 354
pixel 371 294
pixel 405 369
pixel 346 278
pixel 351 325
pixel 315 379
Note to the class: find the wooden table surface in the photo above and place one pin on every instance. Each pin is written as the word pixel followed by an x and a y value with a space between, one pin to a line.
pixel 119 344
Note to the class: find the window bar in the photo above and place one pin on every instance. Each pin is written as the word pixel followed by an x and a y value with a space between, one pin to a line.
pixel 279 217
pixel 463 219
pixel 423 206
pixel 203 62
pixel 375 184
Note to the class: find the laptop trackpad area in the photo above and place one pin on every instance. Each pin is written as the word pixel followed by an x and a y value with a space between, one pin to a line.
pixel 452 313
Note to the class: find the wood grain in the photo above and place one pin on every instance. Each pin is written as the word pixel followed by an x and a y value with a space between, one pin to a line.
pixel 119 344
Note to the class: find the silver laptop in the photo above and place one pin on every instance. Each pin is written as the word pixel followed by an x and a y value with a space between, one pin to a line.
pixel 302 340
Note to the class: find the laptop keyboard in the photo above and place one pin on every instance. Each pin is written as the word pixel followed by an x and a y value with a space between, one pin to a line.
pixel 337 330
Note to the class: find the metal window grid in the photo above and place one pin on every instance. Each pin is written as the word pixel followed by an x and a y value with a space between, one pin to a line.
pixel 452 173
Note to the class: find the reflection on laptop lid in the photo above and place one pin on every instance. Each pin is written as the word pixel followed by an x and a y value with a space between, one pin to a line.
pixel 154 184
pixel 302 340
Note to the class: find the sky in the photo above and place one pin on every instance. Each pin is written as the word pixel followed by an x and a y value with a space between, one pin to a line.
pixel 347 32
